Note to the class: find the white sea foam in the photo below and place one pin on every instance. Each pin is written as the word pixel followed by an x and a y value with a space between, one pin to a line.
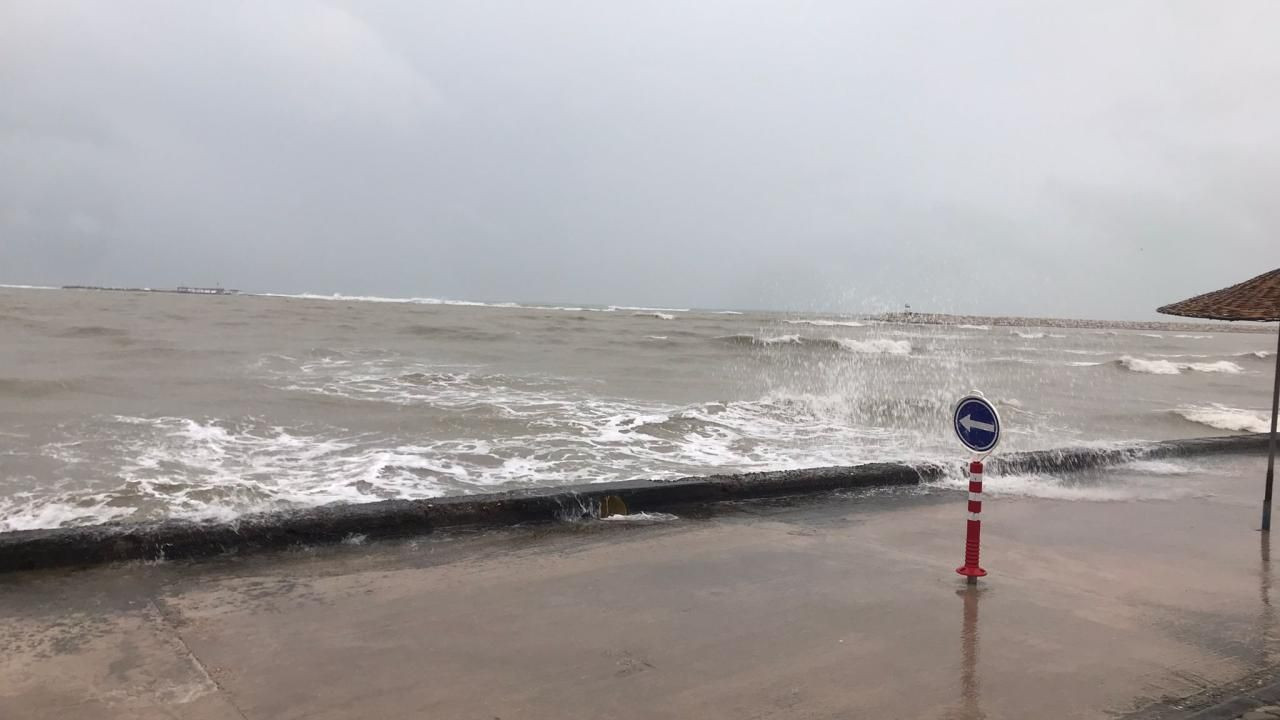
pixel 1152 335
pixel 1125 483
pixel 378 299
pixel 1226 418
pixel 655 315
pixel 28 511
pixel 1159 467
pixel 619 439
pixel 726 312
pixel 876 346
pixel 1165 367
pixel 27 287
pixel 1150 367
pixel 444 301
pixel 762 340
pixel 1194 337
pixel 649 309
pixel 974 327
pixel 1083 364
pixel 1036 335
pixel 1066 487
pixel 827 323
pixel 641 518
pixel 1259 354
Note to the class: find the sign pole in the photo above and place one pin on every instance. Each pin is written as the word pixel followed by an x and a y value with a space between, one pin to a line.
pixel 1271 455
pixel 973 537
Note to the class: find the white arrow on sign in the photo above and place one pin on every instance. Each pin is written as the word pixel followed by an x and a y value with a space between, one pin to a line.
pixel 968 423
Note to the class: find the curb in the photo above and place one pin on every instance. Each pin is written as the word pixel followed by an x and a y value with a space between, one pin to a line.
pixel 178 539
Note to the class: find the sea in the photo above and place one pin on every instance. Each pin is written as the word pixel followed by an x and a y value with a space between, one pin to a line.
pixel 136 406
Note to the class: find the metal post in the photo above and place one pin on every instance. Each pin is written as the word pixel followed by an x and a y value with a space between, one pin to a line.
pixel 1271 457
pixel 973 537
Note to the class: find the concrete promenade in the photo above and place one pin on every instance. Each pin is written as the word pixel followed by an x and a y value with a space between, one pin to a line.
pixel 833 607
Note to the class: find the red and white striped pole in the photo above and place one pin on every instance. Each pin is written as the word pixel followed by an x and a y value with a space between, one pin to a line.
pixel 973 538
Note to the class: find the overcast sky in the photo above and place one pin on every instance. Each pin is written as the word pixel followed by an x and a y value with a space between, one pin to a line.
pixel 1074 158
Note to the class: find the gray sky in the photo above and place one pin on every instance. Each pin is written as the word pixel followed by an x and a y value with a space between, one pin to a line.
pixel 1089 158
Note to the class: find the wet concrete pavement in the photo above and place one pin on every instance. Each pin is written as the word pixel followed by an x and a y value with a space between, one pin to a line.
pixel 838 607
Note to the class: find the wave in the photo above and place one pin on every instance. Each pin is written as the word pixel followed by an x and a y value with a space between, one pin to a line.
pixel 474 303
pixel 1225 418
pixel 764 341
pixel 873 346
pixel 726 312
pixel 1259 354
pixel 7 286
pixel 1036 335
pixel 210 468
pixel 1137 479
pixel 974 327
pixel 378 299
pixel 1165 367
pixel 1152 335
pixel 31 389
pixel 1194 337
pixel 649 309
pixel 92 331
pixel 641 517
pixel 877 346
pixel 453 333
pixel 1069 487
pixel 826 323
pixel 656 315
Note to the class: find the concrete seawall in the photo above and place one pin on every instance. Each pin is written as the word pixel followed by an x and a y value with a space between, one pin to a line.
pixel 174 539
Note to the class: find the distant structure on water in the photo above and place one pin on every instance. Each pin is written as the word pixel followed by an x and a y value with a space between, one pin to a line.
pixel 207 291
pixel 182 290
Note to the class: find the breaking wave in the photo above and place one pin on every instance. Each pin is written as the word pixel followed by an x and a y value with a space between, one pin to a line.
pixel 826 323
pixel 875 346
pixel 655 315
pixel 378 299
pixel 1167 367
pixel 642 518
pixel 1225 418
pixel 649 309
pixel 1135 480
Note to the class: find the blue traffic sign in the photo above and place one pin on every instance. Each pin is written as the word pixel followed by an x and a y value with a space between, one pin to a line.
pixel 977 423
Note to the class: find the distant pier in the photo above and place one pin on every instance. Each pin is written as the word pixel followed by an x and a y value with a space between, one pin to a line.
pixel 180 290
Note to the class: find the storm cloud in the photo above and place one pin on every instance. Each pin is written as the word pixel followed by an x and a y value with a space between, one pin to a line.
pixel 1088 158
